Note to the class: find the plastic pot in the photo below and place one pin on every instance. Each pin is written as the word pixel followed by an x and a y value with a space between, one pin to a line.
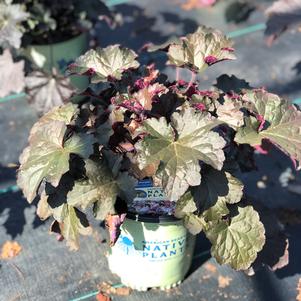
pixel 152 252
pixel 60 55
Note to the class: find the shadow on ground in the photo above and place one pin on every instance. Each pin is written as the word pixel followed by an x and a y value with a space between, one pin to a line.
pixel 294 266
pixel 201 253
pixel 13 205
pixel 140 28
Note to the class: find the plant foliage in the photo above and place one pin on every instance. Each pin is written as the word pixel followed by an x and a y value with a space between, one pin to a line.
pixel 135 123
pixel 47 21
pixel 12 17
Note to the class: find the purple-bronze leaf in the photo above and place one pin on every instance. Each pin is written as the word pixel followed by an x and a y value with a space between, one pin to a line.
pixel 113 224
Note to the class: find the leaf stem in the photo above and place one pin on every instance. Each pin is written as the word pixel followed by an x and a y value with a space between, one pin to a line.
pixel 192 79
pixel 177 74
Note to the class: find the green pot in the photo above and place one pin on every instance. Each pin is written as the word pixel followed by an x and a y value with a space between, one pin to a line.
pixel 60 55
pixel 152 252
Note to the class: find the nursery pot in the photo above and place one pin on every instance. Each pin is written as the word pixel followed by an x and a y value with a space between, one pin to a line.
pixel 152 252
pixel 60 55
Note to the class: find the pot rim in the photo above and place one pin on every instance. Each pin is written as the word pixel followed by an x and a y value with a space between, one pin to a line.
pixel 81 34
pixel 151 218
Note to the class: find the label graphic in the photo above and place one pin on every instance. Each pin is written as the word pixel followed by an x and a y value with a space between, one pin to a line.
pixel 147 192
pixel 153 250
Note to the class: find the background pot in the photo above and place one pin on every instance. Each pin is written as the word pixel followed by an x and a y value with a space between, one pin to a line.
pixel 60 55
pixel 152 252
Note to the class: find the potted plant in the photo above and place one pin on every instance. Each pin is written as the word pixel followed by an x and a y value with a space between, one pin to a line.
pixel 52 32
pixel 183 146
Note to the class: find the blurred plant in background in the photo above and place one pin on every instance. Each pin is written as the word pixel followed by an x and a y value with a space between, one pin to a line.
pixel 192 4
pixel 12 17
pixel 47 21
pixel 26 25
pixel 56 21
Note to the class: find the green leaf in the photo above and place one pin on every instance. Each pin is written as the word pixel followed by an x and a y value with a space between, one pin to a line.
pixel 195 224
pixel 163 46
pixel 47 156
pixel 103 63
pixel 102 208
pixel 282 123
pixel 66 113
pixel 185 205
pixel 229 112
pixel 102 187
pixel 117 114
pixel 185 210
pixel 72 223
pixel 43 209
pixel 200 49
pixel 275 253
pixel 69 221
pixel 217 188
pixel 99 184
pixel 180 146
pixel 249 133
pixel 237 242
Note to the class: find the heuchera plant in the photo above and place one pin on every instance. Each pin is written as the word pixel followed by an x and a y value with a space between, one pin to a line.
pixel 35 22
pixel 137 124
pixel 32 22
